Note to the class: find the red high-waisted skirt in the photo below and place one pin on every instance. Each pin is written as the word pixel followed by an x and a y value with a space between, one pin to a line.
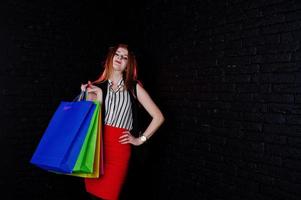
pixel 116 158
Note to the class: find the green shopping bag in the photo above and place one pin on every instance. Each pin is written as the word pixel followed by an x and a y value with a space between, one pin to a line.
pixel 85 160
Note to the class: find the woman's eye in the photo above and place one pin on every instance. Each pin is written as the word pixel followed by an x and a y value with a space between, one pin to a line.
pixel 121 56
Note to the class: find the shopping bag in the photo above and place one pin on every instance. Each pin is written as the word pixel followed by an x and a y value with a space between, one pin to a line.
pixel 90 161
pixel 61 143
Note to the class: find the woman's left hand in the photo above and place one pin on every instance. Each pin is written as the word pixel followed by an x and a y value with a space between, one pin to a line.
pixel 127 137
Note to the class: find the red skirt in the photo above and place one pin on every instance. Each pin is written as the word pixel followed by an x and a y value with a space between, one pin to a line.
pixel 116 158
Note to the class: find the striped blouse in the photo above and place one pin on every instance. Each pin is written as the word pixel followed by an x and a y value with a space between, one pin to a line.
pixel 118 111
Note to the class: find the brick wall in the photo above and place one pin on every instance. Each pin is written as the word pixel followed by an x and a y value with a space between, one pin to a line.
pixel 226 75
pixel 44 62
pixel 48 49
pixel 229 82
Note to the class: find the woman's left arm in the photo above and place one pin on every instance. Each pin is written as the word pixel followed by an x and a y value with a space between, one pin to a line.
pixel 152 109
pixel 155 113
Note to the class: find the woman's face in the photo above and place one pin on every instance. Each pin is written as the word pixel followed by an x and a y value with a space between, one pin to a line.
pixel 120 59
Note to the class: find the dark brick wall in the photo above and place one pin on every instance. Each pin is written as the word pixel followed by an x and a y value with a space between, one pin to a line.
pixel 42 64
pixel 48 48
pixel 229 82
pixel 226 75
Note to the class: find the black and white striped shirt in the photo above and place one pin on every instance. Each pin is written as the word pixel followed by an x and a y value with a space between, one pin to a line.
pixel 118 111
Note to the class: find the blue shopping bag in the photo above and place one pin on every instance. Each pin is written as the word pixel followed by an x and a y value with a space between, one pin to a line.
pixel 61 143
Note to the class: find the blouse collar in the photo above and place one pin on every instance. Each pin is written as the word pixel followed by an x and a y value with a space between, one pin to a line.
pixel 120 84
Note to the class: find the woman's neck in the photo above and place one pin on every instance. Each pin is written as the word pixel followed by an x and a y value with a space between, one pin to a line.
pixel 115 77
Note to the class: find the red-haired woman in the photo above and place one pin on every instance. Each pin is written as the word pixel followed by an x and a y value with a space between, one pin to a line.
pixel 119 93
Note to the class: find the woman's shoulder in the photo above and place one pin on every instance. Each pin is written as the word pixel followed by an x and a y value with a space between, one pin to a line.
pixel 138 82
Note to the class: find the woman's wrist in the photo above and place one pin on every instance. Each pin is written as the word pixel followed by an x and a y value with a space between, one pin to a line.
pixel 143 139
pixel 99 98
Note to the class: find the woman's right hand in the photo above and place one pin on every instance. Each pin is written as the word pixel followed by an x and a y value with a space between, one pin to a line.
pixel 93 92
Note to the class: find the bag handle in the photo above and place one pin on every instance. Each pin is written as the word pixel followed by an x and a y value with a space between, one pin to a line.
pixel 82 96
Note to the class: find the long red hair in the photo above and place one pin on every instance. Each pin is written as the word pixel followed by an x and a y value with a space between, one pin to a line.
pixel 130 72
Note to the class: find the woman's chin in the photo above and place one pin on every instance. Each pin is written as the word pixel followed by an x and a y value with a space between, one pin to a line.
pixel 117 68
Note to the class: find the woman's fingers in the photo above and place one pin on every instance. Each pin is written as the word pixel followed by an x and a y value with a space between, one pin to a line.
pixel 89 89
pixel 125 138
pixel 124 141
pixel 94 94
pixel 83 87
pixel 92 88
pixel 89 84
pixel 91 96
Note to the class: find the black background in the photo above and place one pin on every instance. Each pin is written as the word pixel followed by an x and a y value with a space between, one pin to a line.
pixel 226 75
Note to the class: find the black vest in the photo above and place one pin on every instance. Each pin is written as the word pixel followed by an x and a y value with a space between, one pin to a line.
pixel 134 101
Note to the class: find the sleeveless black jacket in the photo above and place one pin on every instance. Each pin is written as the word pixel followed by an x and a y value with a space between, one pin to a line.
pixel 134 101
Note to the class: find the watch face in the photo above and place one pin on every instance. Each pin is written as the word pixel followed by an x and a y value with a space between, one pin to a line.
pixel 143 138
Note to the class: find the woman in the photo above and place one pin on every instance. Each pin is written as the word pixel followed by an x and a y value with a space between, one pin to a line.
pixel 119 92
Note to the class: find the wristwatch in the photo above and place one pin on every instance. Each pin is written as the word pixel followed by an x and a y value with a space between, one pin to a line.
pixel 143 138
